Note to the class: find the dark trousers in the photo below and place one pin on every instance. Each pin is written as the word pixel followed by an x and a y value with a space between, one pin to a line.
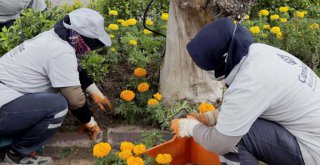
pixel 6 24
pixel 31 120
pixel 268 142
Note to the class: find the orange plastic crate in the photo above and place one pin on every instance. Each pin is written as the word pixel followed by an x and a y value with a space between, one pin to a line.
pixel 185 151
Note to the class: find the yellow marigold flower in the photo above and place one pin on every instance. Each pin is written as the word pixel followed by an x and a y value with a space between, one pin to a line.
pixel 132 21
pixel 113 49
pixel 299 14
pixel 266 26
pixel 124 23
pixel 165 16
pixel 264 12
pixel 274 17
pixel 163 158
pixel 140 72
pixel 283 20
pixel 111 36
pixel 234 21
pixel 146 31
pixel 113 12
pixel 255 29
pixel 101 150
pixel 149 22
pixel 113 27
pixel 133 42
pixel 143 87
pixel 139 149
pixel 125 154
pixel 153 102
pixel 246 16
pixel 127 95
pixel 275 30
pixel 158 96
pixel 314 26
pixel 305 12
pixel 120 20
pixel 280 36
pixel 283 9
pixel 135 161
pixel 126 146
pixel 206 107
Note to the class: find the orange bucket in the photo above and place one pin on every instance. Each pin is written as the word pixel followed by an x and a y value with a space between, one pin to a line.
pixel 185 151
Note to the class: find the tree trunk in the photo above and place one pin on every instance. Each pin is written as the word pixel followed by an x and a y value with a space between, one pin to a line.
pixel 180 78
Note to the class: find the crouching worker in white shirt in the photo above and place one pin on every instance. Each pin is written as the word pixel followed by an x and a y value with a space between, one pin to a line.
pixel 40 82
pixel 271 109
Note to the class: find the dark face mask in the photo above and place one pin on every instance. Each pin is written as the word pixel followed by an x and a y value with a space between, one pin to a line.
pixel 93 43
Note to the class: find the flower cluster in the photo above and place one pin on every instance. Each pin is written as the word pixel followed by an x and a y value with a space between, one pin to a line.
pixel 101 150
pixel 113 27
pixel 140 72
pixel 127 95
pixel 143 87
pixel 206 107
pixel 163 158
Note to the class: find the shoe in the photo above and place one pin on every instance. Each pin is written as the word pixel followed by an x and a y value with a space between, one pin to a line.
pixel 33 159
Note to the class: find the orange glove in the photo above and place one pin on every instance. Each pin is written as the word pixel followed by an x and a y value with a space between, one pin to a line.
pixel 91 128
pixel 184 127
pixel 101 100
pixel 207 118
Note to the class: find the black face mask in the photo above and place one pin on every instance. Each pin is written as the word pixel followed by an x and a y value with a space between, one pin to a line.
pixel 93 43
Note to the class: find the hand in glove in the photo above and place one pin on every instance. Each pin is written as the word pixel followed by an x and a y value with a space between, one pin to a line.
pixel 97 96
pixel 183 127
pixel 207 118
pixel 91 128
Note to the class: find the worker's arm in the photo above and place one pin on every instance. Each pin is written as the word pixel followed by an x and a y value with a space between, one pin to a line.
pixel 75 97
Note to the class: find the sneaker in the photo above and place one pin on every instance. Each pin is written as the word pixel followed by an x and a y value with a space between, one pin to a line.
pixel 33 159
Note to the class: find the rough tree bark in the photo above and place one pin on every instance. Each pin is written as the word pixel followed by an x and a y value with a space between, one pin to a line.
pixel 180 78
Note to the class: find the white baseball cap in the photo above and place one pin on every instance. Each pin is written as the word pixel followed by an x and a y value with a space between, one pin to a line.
pixel 88 23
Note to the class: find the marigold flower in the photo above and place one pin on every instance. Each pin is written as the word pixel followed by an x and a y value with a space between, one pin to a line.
pixel 111 36
pixel 246 16
pixel 283 20
pixel 314 26
pixel 275 30
pixel 299 14
pixel 264 12
pixel 140 72
pixel 133 42
pixel 126 146
pixel 164 158
pixel 274 17
pixel 132 21
pixel 280 36
pixel 124 23
pixel 101 150
pixel 113 12
pixel 146 31
pixel 143 87
pixel 113 27
pixel 165 16
pixel 266 26
pixel 125 154
pixel 127 95
pixel 206 107
pixel 152 102
pixel 283 9
pixel 139 149
pixel 149 22
pixel 255 29
pixel 113 49
pixel 158 96
pixel 235 22
pixel 120 20
pixel 135 161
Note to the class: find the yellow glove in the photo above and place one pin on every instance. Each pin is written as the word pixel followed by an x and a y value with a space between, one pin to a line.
pixel 183 127
pixel 101 100
pixel 91 128
pixel 206 118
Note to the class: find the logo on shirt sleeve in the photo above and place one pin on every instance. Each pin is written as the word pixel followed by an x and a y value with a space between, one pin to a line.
pixel 287 59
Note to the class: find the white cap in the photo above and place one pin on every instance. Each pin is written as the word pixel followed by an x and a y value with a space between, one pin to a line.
pixel 88 23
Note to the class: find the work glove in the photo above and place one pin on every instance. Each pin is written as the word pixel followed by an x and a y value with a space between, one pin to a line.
pixel 91 128
pixel 184 127
pixel 206 118
pixel 101 100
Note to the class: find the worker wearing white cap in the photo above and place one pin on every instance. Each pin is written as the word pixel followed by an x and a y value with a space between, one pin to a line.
pixel 32 75
pixel 11 10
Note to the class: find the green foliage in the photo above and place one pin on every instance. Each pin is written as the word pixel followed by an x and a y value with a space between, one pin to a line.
pixel 151 138
pixel 96 66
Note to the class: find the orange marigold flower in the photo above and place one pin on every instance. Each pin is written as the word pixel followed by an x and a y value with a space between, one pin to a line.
pixel 164 158
pixel 126 146
pixel 157 96
pixel 127 95
pixel 206 107
pixel 140 72
pixel 139 149
pixel 125 154
pixel 135 161
pixel 143 87
pixel 153 102
pixel 101 150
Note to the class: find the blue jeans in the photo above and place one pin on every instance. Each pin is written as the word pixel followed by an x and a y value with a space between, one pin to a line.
pixel 31 120
pixel 268 142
